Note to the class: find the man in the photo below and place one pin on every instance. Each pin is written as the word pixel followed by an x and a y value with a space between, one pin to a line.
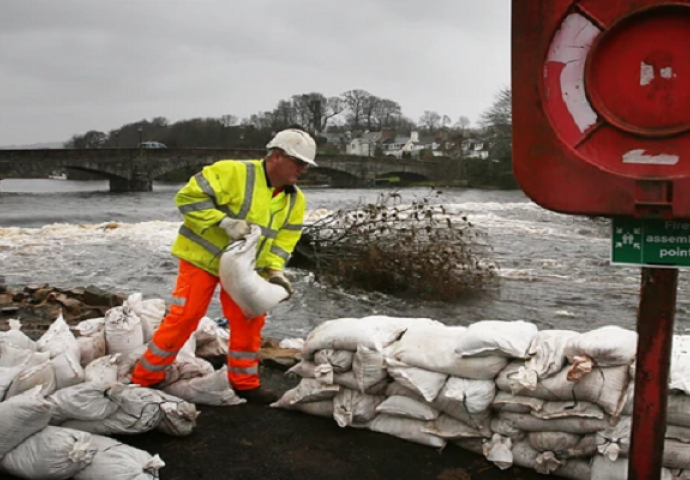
pixel 218 206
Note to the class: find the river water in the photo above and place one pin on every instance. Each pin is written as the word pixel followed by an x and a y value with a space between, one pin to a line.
pixel 554 268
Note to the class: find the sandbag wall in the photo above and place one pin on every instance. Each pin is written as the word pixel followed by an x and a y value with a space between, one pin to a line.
pixel 64 394
pixel 556 401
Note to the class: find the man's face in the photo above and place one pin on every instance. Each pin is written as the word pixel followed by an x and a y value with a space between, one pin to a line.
pixel 289 169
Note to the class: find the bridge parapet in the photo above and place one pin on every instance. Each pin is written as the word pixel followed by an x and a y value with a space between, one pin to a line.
pixel 135 169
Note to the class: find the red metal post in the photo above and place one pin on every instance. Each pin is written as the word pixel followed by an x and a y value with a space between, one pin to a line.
pixel 655 319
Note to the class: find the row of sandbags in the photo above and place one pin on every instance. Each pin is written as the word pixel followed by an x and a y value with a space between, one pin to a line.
pixel 555 401
pixel 64 394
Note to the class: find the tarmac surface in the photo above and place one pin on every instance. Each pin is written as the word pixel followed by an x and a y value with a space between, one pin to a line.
pixel 249 442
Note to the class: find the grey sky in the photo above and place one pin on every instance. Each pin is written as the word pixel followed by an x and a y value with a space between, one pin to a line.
pixel 70 66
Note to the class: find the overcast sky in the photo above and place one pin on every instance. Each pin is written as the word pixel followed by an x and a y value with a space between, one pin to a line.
pixel 70 66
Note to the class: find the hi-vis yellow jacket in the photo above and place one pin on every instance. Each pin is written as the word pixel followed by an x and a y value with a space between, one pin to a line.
pixel 239 190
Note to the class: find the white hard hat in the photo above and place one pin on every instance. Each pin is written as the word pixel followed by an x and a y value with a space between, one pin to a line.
pixel 295 143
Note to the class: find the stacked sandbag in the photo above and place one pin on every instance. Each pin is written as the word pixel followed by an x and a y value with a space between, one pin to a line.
pixel 211 340
pixel 116 409
pixel 555 401
pixel 552 405
pixel 31 448
pixel 399 376
pixel 58 437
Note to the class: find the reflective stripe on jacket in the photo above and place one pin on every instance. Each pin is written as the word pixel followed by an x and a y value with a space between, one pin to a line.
pixel 239 190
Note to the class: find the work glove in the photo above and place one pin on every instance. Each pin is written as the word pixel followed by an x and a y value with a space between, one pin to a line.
pixel 236 229
pixel 278 278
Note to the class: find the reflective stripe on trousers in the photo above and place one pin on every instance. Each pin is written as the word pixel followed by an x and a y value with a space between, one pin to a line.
pixel 193 293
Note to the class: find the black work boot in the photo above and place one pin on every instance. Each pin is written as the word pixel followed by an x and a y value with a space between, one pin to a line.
pixel 259 396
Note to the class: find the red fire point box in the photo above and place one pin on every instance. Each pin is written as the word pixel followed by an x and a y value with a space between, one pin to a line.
pixel 601 105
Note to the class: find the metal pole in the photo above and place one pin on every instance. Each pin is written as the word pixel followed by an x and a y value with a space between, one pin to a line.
pixel 655 318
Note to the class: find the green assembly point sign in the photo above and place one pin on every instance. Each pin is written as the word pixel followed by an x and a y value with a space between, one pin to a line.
pixel 650 243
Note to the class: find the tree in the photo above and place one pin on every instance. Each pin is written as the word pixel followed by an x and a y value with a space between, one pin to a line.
pixel 386 112
pixel 430 120
pixel 356 100
pixel 463 123
pixel 498 122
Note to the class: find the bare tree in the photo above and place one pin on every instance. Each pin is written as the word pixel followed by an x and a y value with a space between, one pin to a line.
pixel 386 112
pixel 463 122
pixel 430 120
pixel 356 101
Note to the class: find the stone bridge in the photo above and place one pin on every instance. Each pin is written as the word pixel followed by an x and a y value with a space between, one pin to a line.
pixel 134 169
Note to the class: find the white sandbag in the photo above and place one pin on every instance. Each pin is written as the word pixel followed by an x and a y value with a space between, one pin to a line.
pixel 340 360
pixel 138 412
pixel 348 380
pixel 352 408
pixel 405 428
pixel 614 441
pixel 91 340
pixel 323 408
pixel 552 410
pixel 123 332
pixel 374 332
pixel 216 348
pixel 57 339
pixel 566 445
pixel 604 386
pixel 546 353
pixel 678 410
pixel 21 417
pixel 86 401
pixel 254 294
pixel 42 375
pixel 212 389
pixel 529 423
pixel 448 428
pixel 308 390
pixel 294 343
pixel 426 383
pixel 476 395
pixel 511 339
pixel 16 338
pixel 409 408
pixel 394 388
pixel 54 453
pixel 12 356
pixel 676 455
pixel 680 370
pixel 432 347
pixel 304 369
pixel 608 346
pixel 507 402
pixel 368 367
pixel 499 451
pixel 103 370
pixel 458 410
pixel 7 376
pixel 604 469
pixel 116 461
pixel 178 417
pixel 547 463
pixel 186 365
pixel 506 428
pixel 674 432
pixel 206 332
pixel 324 374
pixel 150 312
pixel 127 362
pixel 68 370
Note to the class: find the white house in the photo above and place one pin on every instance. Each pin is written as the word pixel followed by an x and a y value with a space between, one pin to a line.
pixel 364 146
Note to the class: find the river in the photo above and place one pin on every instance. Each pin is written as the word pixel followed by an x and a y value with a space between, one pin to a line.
pixel 554 268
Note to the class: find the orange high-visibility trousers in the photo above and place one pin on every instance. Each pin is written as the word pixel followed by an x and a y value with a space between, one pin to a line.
pixel 190 300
